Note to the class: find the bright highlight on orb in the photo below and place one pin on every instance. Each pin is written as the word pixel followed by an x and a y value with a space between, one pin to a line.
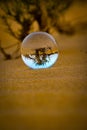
pixel 39 50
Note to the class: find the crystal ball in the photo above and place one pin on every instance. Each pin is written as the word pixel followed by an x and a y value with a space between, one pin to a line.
pixel 39 50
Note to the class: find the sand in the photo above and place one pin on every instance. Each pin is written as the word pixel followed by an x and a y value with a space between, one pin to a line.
pixel 46 99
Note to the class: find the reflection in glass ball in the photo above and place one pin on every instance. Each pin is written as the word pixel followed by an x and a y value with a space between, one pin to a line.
pixel 39 50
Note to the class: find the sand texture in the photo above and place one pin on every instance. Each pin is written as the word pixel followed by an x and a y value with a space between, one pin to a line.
pixel 46 99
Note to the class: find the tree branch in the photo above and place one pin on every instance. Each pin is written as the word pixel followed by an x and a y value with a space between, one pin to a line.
pixel 9 28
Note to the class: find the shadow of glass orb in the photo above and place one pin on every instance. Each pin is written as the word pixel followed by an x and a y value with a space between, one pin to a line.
pixel 39 50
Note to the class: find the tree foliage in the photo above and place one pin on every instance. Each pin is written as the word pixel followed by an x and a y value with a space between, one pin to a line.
pixel 25 12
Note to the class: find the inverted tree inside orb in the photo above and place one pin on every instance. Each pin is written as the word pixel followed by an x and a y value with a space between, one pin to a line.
pixel 39 50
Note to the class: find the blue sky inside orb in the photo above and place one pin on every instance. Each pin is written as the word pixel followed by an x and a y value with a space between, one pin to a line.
pixel 39 50
pixel 34 65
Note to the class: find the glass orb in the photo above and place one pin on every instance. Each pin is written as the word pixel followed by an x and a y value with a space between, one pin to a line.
pixel 39 50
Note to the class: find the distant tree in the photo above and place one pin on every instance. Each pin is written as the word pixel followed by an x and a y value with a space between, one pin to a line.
pixel 24 12
pixel 41 55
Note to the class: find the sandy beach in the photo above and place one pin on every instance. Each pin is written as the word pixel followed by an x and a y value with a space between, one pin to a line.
pixel 46 99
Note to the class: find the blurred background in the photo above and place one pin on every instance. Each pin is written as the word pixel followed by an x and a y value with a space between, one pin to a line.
pixel 45 99
pixel 19 18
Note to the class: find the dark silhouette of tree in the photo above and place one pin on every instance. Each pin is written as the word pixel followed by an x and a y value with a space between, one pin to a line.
pixel 41 55
pixel 25 12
